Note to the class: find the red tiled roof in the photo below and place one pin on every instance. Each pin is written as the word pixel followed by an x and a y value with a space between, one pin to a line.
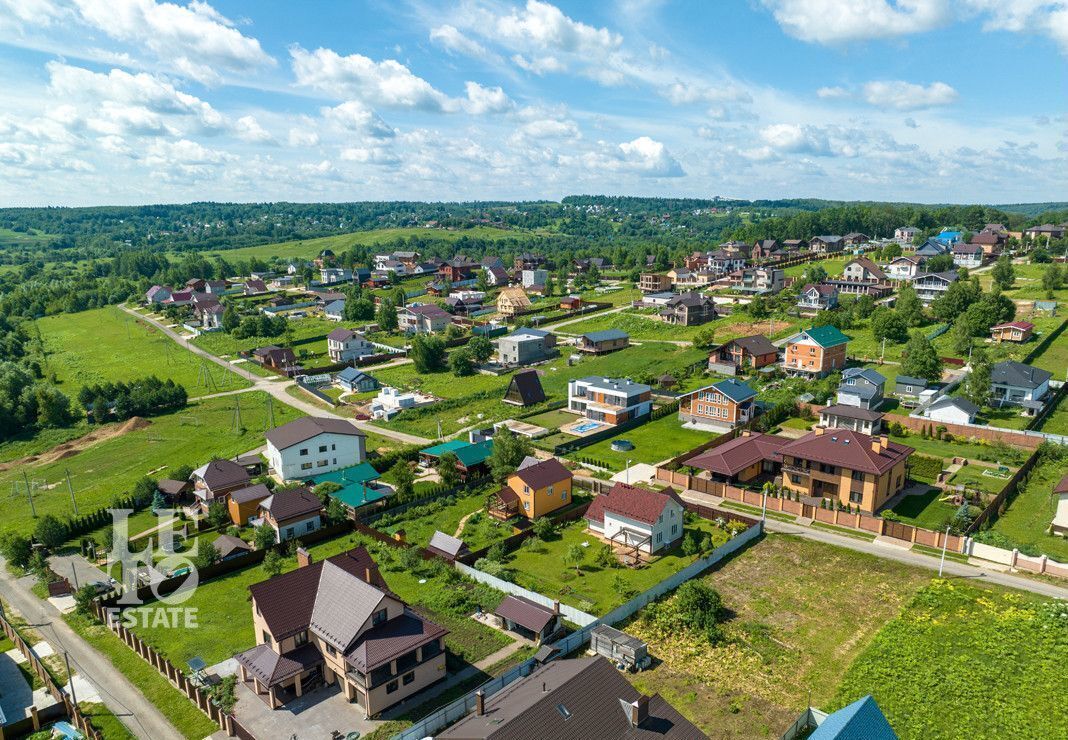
pixel 848 449
pixel 1021 325
pixel 633 502
pixel 735 456
pixel 1061 487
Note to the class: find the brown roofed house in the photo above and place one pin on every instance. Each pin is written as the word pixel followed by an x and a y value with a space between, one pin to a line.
pixel 742 459
pixel 755 351
pixel 637 519
pixel 229 546
pixel 291 512
pixel 541 486
pixel 212 481
pixel 530 619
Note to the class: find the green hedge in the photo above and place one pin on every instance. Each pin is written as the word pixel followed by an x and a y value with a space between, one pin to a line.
pixel 925 468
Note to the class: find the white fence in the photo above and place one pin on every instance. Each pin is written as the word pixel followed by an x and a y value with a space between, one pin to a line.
pixel 571 614
pixel 1014 558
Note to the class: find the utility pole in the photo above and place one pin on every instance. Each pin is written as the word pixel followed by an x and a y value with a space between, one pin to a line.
pixel 70 488
pixel 237 414
pixel 70 677
pixel 74 572
pixel 29 494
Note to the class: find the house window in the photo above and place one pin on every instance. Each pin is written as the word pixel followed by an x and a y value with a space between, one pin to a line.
pixel 303 451
pixel 289 533
pixel 322 448
pixel 306 466
pixel 333 447
pixel 563 495
pixel 322 463
pixel 311 526
pixel 856 496
pixel 391 687
pixel 659 537
pixel 674 529
pixel 526 506
pixel 301 638
pixel 266 638
pixel 379 616
pixel 408 678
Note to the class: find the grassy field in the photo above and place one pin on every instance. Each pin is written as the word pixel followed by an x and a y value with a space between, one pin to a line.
pixel 24 445
pixel 800 611
pixel 979 476
pixel 309 248
pixel 833 265
pixel 110 468
pixel 23 239
pixel 309 340
pixel 1057 421
pixel 653 442
pixel 925 510
pixel 225 617
pixel 551 419
pixel 1031 511
pixel 645 326
pixel 105 344
pixel 540 568
pixel 1055 357
pixel 182 713
pixel 1028 284
pixel 967 662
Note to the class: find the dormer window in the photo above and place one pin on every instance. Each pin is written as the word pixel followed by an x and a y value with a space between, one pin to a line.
pixel 379 617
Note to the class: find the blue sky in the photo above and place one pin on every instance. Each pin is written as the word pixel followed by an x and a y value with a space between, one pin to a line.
pixel 138 101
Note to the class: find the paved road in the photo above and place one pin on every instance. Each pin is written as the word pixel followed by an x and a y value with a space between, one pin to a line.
pixel 900 554
pixel 120 696
pixel 275 387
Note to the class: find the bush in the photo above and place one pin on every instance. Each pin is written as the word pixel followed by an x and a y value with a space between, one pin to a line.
pixel 925 467
pixel 50 532
pixel 263 537
pixel 543 528
pixel 16 549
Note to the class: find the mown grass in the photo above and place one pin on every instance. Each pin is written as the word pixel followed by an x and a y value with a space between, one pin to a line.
pixel 1028 517
pixel 653 442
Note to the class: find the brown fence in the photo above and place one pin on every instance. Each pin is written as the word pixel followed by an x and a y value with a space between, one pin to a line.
pixel 993 509
pixel 985 434
pixel 63 709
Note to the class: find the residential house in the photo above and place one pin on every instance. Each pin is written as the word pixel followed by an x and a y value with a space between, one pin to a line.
pixel 215 479
pixel 932 248
pixel 512 301
pixel 571 302
pixel 905 234
pixel 537 488
pixel 173 490
pixel 718 407
pixel 968 255
pixel 763 249
pixel 196 285
pixel 215 287
pixel 472 458
pixel 856 418
pixel 491 260
pixel 254 286
pixel 903 268
pixel 952 410
pixel 575 698
pixel 336 622
pixel 529 619
pixel 1045 232
pixel 654 300
pixel 355 381
pixel 1016 384
pixel 333 275
pixel 758 280
pixel 742 459
pixel 335 310
pixel 583 264
pixel 818 297
pixel 312 444
pixel 496 276
pixel 1013 331
pixel 229 547
pixel 209 314
pixel 243 503
pixel 949 237
pixel 345 345
pixel 826 244
pixel 990 242
pixel 855 238
pixel 816 352
pixel 524 389
pixel 861 720
pixel 755 351
pixel 525 347
pixel 462 306
pixel 458 269
pixel 531 278
pixel 279 358
pixel 157 294
pixel 721 261
pixel 291 513
pixel 861 387
pixel 850 468
pixel 861 276
pixel 178 298
pixel 326 257
pixel 794 246
pixel 600 342
pixel 908 388
pixel 426 318
pixel 654 282
pixel 528 261
pixel 689 309
pixel 609 400
pixel 930 286
pixel 637 519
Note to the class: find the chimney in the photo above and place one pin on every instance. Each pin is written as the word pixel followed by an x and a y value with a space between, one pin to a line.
pixel 639 711
pixel 304 558
pixel 876 445
pixel 480 703
pixel 819 431
pixel 367 574
pixel 746 433
pixel 885 440
pixel 556 607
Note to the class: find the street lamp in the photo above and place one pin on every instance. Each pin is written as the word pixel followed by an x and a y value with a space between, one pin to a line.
pixel 945 544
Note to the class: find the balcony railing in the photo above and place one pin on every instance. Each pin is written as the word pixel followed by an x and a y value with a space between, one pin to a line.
pixel 795 469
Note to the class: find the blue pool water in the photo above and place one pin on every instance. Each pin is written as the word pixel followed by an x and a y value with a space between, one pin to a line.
pixel 589 425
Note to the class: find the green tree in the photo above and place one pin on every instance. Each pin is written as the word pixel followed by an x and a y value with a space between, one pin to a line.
pixel 960 337
pixel 461 364
pixel 53 406
pixel 939 263
pixel 1004 274
pixel 400 298
pixel 272 563
pixel 50 532
pixel 705 338
pixel 977 384
pixel 83 598
pixel 359 309
pixel 16 549
pixel 263 537
pixel 336 510
pixel 543 528
pixel 1052 279
pixel 889 325
pixel 230 320
pixel 758 308
pixel 482 281
pixel 864 306
pixel 575 555
pixel 447 470
pixel 922 359
pixel 606 557
pixel 217 514
pixel 386 316
pixel 481 348
pixel 956 299
pixel 508 451
pixel 403 478
pixel 428 354
pixel 909 306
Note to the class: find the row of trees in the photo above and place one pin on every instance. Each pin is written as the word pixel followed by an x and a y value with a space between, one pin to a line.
pixel 142 397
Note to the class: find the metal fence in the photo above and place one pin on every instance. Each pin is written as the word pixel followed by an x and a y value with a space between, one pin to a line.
pixel 570 613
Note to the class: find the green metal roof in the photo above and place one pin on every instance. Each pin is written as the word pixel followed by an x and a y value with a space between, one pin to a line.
pixel 826 336
pixel 440 449
pixel 474 454
pixel 354 482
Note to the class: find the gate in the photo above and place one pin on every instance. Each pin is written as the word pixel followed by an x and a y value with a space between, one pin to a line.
pixel 898 531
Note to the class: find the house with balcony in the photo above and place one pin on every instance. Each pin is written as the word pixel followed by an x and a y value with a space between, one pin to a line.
pixel 336 623
pixel 311 445
pixel 818 297
pixel 904 267
pixel 968 255
pixel 826 244
pixel 609 400
pixel 637 519
pixel 905 234
pixel 689 309
pixel 841 416
pixel 536 488
pixel 861 276
pixel 426 318
pixel 930 286
pixel 742 459
pixel 758 280
pixel 755 351
pixel 654 282
pixel 719 407
pixel 346 345
pixel 847 467
pixel 1016 384
pixel 816 352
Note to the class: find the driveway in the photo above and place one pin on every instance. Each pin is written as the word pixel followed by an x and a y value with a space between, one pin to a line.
pixel 314 716
pixel 15 694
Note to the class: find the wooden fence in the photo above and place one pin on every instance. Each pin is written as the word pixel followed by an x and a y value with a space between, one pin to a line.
pixel 64 708
pixel 994 508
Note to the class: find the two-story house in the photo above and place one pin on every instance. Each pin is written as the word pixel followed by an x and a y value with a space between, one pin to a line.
pixel 847 467
pixel 689 309
pixel 334 310
pixel 536 488
pixel 530 278
pixel 279 358
pixel 1016 384
pixel 826 244
pixel 157 294
pixel 215 479
pixel 345 345
pixel 841 416
pixel 654 282
pixel 763 249
pixel 968 255
pixel 759 280
pixel 426 318
pixel 816 352
pixel 861 276
pixel 930 286
pixel 755 351
pixel 817 297
pixel 609 400
pixel 333 275
pixel 525 347
pixel 905 234
pixel 336 622
pixel 291 513
pixel 718 407
pixel 312 444
pixel 932 248
pixel 861 387
pixel 904 267
pixel 637 519
pixel 512 301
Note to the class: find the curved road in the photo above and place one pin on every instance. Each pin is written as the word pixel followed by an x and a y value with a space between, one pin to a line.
pixel 275 387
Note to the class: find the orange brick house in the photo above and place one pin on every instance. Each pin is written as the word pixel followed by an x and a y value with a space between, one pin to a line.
pixel 816 352
pixel 1013 331
pixel 536 488
pixel 719 407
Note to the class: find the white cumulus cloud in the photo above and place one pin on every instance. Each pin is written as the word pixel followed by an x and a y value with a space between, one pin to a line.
pixel 905 96
pixel 834 21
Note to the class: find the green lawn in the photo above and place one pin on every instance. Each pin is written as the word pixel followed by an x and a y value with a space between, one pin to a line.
pixel 973 476
pixel 1028 284
pixel 309 341
pixel 925 510
pixel 1029 514
pixel 799 612
pixel 622 297
pixel 23 239
pixel 419 529
pixel 308 248
pixel 638 325
pixel 24 445
pixel 182 713
pixel 551 419
pixel 939 669
pixel 541 568
pixel 1055 357
pixel 653 442
pixel 106 344
pixel 105 721
pixel 833 265
pixel 109 469
pixel 959 448
pixel 1057 421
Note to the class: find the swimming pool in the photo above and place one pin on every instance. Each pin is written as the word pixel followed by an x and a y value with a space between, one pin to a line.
pixel 586 426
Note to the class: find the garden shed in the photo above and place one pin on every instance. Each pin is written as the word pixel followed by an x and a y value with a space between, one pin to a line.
pixel 624 651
